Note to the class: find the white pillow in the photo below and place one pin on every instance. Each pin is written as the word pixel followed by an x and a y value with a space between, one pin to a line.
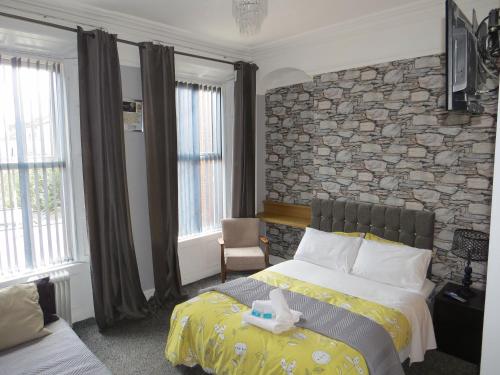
pixel 399 265
pixel 328 249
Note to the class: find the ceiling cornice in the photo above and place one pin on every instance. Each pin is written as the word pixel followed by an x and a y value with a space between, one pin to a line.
pixel 419 11
pixel 353 27
pixel 126 26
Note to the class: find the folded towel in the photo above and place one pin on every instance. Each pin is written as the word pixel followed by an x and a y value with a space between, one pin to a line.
pixel 271 325
pixel 273 315
pixel 263 309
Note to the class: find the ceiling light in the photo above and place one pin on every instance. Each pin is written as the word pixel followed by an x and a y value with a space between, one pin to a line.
pixel 249 15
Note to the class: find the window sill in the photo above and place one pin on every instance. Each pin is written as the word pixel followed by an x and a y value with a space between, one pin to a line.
pixel 199 236
pixel 72 267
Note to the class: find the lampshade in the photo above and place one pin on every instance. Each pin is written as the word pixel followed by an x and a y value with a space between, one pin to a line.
pixel 470 244
pixel 249 15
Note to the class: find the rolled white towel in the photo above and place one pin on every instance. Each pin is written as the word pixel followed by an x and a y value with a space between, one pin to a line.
pixel 280 307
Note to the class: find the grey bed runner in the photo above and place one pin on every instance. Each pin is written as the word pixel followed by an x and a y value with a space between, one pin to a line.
pixel 357 331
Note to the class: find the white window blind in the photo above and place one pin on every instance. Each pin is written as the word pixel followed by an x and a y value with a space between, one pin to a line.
pixel 201 180
pixel 34 229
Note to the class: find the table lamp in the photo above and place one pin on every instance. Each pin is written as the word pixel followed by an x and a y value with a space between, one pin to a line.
pixel 470 245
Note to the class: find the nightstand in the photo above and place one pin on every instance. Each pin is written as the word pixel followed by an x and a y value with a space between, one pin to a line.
pixel 459 326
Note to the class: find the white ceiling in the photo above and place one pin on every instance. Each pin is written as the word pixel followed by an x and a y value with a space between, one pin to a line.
pixel 25 37
pixel 213 18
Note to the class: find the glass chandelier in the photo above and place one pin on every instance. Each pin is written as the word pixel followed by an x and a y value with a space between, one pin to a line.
pixel 249 15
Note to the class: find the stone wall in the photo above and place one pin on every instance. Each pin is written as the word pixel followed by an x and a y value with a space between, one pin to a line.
pixel 382 134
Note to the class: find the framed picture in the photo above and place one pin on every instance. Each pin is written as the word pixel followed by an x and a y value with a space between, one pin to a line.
pixel 132 115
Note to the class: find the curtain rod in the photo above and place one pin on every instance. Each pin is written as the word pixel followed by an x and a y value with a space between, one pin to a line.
pixel 124 41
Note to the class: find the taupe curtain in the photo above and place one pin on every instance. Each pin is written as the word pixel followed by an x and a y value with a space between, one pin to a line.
pixel 244 141
pixel 160 132
pixel 115 278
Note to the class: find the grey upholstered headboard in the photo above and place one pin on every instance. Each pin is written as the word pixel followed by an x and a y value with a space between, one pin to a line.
pixel 411 227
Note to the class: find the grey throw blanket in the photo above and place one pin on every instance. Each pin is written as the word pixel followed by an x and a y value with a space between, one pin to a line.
pixel 357 331
pixel 60 353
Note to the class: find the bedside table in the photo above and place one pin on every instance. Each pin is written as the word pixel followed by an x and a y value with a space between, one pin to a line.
pixel 459 326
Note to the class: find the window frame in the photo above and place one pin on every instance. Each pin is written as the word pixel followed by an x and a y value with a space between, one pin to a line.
pixel 218 155
pixel 64 164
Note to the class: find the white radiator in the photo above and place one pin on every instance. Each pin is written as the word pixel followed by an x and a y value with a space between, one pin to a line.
pixel 63 294
pixel 61 282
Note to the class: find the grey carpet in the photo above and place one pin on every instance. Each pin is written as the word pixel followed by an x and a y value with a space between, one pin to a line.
pixel 136 347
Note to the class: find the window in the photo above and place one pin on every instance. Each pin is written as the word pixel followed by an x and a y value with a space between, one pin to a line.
pixel 34 229
pixel 199 134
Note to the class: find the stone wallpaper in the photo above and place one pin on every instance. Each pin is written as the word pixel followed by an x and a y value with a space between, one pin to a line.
pixel 381 134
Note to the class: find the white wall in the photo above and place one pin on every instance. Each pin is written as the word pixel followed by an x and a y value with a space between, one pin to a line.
pixel 135 155
pixel 490 358
pixel 82 304
pixel 199 257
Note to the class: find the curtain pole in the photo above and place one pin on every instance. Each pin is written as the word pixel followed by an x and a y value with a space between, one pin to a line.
pixel 124 41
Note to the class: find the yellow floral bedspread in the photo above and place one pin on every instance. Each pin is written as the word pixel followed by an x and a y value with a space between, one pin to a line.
pixel 208 330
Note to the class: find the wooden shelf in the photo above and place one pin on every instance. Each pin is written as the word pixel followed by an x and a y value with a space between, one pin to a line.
pixel 294 215
pixel 284 220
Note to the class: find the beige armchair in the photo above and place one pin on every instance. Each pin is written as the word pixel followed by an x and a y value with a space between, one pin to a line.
pixel 240 246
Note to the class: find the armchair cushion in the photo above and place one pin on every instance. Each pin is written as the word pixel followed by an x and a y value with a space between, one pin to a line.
pixel 242 232
pixel 244 258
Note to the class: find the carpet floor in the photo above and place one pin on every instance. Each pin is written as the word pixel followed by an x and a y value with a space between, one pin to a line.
pixel 137 347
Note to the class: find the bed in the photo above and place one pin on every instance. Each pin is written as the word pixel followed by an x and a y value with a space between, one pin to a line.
pixel 59 353
pixel 208 329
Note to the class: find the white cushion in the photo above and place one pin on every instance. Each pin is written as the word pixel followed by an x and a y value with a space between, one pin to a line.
pixel 329 250
pixel 21 318
pixel 399 265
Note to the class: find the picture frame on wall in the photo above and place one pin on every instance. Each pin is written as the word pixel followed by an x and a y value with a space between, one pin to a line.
pixel 132 115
